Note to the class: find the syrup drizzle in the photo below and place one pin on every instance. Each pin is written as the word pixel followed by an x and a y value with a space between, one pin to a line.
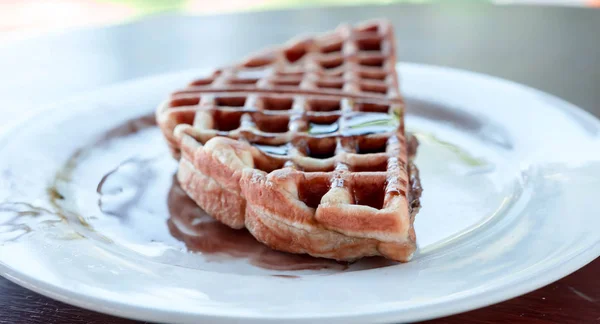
pixel 370 123
pixel 142 205
pixel 201 233
pixel 124 191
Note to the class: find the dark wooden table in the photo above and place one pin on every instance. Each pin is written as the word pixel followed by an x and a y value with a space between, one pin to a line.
pixel 553 49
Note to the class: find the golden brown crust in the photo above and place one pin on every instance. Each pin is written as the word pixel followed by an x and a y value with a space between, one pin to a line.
pixel 311 156
pixel 225 205
pixel 268 206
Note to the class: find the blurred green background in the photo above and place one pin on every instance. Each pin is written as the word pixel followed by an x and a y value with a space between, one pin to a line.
pixel 21 18
pixel 144 7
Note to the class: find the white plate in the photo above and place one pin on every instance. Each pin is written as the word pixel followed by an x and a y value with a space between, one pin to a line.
pixel 511 177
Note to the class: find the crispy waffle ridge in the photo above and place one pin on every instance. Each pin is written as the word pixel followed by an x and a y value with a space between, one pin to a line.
pixel 351 61
pixel 324 172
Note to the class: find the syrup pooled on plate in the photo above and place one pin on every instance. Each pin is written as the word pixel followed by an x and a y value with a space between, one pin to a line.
pixel 137 217
pixel 140 208
pixel 201 233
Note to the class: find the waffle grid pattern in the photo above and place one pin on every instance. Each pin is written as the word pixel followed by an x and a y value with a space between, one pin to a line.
pixel 318 121
pixel 353 62
pixel 309 134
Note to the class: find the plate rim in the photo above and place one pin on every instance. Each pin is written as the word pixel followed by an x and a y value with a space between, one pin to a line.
pixel 494 294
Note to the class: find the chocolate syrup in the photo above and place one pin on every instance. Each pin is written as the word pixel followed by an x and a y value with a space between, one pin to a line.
pixel 142 209
pixel 274 149
pixel 286 276
pixel 201 233
pixel 370 123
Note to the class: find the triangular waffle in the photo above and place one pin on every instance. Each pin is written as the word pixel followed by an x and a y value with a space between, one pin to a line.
pixel 353 62
pixel 307 169
pixel 350 61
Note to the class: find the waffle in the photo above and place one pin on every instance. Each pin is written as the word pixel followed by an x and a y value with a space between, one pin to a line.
pixel 350 61
pixel 327 172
